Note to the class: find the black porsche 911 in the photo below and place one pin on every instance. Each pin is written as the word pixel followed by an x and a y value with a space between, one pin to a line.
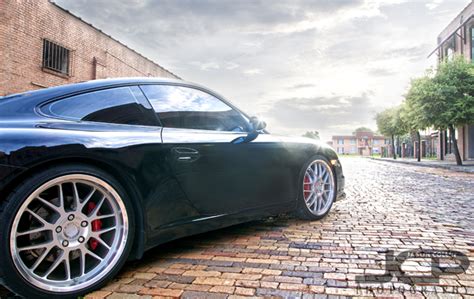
pixel 95 173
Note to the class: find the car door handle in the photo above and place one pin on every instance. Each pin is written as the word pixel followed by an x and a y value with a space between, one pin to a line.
pixel 185 154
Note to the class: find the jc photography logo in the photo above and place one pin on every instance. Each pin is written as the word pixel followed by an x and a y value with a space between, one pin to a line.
pixel 441 262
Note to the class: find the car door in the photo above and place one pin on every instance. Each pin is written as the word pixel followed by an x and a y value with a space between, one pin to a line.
pixel 123 111
pixel 218 175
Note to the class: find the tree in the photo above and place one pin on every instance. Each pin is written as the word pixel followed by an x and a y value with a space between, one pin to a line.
pixel 312 134
pixel 411 112
pixel 407 115
pixel 389 124
pixel 363 129
pixel 384 125
pixel 398 125
pixel 448 100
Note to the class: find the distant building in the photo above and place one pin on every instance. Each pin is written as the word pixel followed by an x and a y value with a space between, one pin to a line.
pixel 364 143
pixel 43 45
pixel 457 38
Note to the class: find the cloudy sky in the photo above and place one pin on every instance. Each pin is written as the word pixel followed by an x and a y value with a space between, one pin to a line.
pixel 326 65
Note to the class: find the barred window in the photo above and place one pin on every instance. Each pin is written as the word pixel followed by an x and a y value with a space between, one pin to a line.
pixel 56 57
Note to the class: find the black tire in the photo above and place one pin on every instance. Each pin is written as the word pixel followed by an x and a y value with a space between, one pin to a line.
pixel 9 208
pixel 302 211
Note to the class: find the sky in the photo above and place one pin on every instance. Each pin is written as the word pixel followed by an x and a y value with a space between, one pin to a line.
pixel 324 65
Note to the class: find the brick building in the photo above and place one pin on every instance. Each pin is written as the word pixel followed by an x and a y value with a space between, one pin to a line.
pixel 457 38
pixel 42 45
pixel 364 143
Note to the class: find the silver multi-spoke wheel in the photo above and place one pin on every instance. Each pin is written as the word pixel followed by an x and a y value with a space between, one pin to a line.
pixel 318 187
pixel 69 233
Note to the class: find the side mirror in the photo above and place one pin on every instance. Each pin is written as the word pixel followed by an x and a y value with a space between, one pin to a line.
pixel 257 124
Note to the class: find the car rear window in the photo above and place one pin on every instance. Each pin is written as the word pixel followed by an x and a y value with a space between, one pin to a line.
pixel 120 105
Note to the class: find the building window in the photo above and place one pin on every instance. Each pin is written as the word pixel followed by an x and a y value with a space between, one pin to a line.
pixel 353 141
pixel 472 43
pixel 340 141
pixel 450 48
pixel 56 58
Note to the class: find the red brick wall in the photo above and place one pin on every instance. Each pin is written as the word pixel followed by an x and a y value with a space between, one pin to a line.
pixel 25 23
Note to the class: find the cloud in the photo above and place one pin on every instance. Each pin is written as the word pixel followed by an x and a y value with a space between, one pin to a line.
pixel 231 65
pixel 302 64
pixel 252 72
pixel 322 113
pixel 381 72
pixel 206 66
pixel 410 52
pixel 303 85
pixel 433 4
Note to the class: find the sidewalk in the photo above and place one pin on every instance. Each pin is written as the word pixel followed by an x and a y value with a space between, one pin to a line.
pixel 468 166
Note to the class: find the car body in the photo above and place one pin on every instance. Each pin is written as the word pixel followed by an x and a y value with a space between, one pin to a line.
pixel 181 181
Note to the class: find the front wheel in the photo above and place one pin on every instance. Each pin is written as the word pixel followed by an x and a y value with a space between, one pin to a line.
pixel 317 189
pixel 67 231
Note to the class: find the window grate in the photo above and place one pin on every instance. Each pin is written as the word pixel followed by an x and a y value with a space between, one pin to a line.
pixel 56 57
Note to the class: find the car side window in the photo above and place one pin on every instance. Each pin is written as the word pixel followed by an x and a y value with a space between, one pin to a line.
pixel 120 105
pixel 189 108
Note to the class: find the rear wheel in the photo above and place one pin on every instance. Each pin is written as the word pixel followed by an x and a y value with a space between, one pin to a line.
pixel 317 189
pixel 69 231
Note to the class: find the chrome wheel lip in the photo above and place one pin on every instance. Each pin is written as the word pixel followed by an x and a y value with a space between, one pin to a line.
pixel 109 261
pixel 318 191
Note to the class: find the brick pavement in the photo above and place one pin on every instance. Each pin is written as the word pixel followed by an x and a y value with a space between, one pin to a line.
pixel 388 207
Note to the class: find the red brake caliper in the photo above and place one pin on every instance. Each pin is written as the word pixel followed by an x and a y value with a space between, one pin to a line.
pixel 306 187
pixel 96 225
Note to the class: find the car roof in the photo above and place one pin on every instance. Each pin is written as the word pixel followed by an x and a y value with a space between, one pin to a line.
pixel 56 91
pixel 23 104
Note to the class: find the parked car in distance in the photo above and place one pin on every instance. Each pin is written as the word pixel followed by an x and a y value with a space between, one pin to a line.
pixel 95 173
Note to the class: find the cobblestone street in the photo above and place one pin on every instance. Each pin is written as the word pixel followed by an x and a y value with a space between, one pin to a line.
pixel 388 207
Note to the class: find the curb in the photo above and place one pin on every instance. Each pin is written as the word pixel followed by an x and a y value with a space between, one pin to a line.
pixel 465 169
